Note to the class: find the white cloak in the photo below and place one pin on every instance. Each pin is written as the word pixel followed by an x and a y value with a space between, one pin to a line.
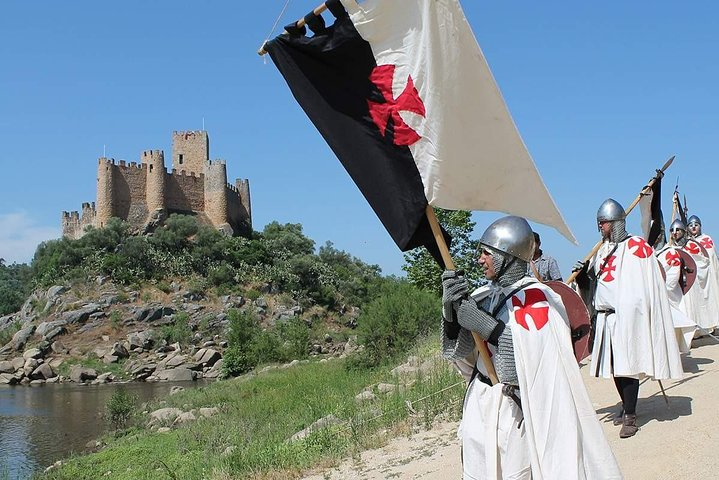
pixel 561 436
pixel 684 326
pixel 638 338
pixel 705 291
pixel 708 244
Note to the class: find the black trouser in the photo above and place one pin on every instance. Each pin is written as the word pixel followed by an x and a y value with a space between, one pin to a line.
pixel 628 389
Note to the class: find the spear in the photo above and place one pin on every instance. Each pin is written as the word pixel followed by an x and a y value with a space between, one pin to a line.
pixel 645 191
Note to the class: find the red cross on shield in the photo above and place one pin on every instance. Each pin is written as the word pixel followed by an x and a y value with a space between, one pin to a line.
pixel 693 248
pixel 673 259
pixel 535 306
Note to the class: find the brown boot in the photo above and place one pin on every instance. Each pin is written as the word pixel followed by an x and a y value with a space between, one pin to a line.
pixel 629 427
pixel 619 418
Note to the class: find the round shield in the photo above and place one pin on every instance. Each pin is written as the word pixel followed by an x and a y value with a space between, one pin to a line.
pixel 579 323
pixel 695 248
pixel 689 271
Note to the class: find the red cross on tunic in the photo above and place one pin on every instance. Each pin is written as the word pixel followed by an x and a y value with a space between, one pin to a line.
pixel 408 101
pixel 673 258
pixel 535 306
pixel 607 269
pixel 642 250
pixel 707 243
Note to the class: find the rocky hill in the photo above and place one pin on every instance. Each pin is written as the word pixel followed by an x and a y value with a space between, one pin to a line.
pixel 96 331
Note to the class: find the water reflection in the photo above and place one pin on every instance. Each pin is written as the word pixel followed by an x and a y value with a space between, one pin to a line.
pixel 39 425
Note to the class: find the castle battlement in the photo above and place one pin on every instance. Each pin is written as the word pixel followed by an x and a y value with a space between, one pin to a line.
pixel 143 192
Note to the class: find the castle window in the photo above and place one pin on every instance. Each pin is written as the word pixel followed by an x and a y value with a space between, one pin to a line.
pixel 150 167
pixel 180 158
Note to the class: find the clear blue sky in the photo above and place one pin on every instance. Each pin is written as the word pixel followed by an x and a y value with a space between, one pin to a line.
pixel 602 93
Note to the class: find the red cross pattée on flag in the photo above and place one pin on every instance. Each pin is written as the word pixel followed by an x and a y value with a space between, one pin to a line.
pixel 693 248
pixel 707 243
pixel 673 259
pixel 408 101
pixel 534 307
pixel 639 247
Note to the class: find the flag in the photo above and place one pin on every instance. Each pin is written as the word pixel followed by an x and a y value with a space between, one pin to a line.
pixel 401 92
pixel 652 218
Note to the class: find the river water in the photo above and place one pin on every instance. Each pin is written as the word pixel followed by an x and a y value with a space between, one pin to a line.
pixel 39 425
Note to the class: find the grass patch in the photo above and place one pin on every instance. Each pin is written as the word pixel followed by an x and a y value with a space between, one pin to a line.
pixel 96 364
pixel 259 414
pixel 7 333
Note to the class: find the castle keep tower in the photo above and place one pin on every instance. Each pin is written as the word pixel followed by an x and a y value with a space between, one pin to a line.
pixel 153 161
pixel 105 189
pixel 190 151
pixel 145 194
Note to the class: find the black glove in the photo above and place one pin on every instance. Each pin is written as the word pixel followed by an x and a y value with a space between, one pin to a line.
pixel 454 289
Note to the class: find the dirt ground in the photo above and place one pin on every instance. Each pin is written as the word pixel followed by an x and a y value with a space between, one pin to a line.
pixel 679 440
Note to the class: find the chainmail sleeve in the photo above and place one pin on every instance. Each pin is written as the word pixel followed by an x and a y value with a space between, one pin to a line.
pixel 457 342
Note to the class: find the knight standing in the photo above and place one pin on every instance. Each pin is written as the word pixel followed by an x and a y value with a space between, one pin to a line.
pixel 538 421
pixel 633 330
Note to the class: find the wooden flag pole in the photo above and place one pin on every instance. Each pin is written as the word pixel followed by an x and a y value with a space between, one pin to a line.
pixel 300 23
pixel 449 265
pixel 644 192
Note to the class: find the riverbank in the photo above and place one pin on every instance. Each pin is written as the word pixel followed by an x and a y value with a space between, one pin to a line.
pixel 279 423
pixel 676 440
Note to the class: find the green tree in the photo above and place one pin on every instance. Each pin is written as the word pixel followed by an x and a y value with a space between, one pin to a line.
pixel 423 271
pixel 14 286
pixel 288 237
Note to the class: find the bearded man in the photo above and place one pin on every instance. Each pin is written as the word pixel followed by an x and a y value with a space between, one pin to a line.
pixel 538 421
pixel 633 329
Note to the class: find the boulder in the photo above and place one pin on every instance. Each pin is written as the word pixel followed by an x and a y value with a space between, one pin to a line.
pixel 17 363
pixel 386 387
pixel 7 379
pixel 81 315
pixel 324 422
pixel 21 337
pixel 6 367
pixel 55 291
pixel 365 396
pixel 185 417
pixel 80 374
pixel 168 414
pixel 32 353
pixel 119 350
pixel 43 372
pixel 58 347
pixel 144 339
pixel 209 411
pixel 207 357
pixel 176 375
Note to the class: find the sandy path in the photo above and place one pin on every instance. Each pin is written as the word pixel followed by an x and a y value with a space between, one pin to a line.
pixel 678 441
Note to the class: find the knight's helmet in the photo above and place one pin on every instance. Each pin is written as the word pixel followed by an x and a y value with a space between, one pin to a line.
pixel 678 225
pixel 612 211
pixel 511 241
pixel 695 221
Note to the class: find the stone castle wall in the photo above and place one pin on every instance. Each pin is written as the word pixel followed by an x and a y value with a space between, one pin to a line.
pixel 141 193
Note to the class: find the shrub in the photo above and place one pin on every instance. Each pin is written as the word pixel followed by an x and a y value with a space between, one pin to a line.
pixel 390 324
pixel 7 333
pixel 179 330
pixel 238 357
pixel 120 408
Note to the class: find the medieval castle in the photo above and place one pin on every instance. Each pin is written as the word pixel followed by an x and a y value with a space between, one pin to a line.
pixel 145 194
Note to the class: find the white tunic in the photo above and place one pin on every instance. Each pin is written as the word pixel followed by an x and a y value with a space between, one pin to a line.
pixel 704 294
pixel 682 310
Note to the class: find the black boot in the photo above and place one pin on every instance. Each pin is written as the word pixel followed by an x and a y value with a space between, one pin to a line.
pixel 619 418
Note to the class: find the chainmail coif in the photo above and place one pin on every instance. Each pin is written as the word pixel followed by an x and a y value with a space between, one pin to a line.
pixel 682 241
pixel 515 270
pixel 619 231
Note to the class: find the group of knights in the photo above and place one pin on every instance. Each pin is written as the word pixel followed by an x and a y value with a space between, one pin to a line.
pixel 526 412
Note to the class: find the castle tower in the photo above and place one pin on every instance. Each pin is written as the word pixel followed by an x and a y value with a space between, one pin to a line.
pixel 216 207
pixel 243 187
pixel 153 161
pixel 105 191
pixel 190 151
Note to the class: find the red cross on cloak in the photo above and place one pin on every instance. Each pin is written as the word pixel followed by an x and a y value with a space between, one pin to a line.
pixel 707 243
pixel 673 258
pixel 535 306
pixel 642 250
pixel 408 101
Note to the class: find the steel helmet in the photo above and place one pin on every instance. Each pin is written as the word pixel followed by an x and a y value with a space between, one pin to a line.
pixel 677 225
pixel 694 219
pixel 610 211
pixel 511 235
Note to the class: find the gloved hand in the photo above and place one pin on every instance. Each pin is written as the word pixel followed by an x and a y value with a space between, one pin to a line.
pixel 579 266
pixel 454 289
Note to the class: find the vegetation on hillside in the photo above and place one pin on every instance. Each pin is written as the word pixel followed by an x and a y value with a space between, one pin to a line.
pixel 15 286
